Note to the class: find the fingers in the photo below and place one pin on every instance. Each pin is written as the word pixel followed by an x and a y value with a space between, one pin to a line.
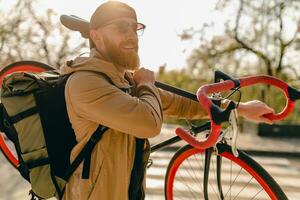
pixel 144 75
pixel 256 111
pixel 265 111
pixel 265 120
pixel 268 110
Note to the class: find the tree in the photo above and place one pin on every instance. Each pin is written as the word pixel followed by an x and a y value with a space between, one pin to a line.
pixel 181 79
pixel 259 37
pixel 261 34
pixel 26 35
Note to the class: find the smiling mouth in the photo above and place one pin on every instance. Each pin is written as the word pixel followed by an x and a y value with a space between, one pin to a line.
pixel 130 48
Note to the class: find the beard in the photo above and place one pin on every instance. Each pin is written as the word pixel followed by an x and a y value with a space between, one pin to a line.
pixel 129 60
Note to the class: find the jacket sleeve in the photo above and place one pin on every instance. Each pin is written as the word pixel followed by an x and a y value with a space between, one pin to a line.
pixel 95 99
pixel 180 107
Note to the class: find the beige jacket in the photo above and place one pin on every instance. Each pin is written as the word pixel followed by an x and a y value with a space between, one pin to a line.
pixel 92 100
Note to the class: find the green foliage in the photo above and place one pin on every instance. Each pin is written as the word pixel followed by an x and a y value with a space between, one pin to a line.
pixel 272 96
pixel 260 37
pixel 181 79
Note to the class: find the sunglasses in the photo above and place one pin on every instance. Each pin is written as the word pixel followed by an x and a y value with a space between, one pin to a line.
pixel 124 26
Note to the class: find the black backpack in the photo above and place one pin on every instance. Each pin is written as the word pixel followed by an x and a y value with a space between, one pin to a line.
pixel 34 117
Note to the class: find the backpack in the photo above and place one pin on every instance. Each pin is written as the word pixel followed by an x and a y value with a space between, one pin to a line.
pixel 34 117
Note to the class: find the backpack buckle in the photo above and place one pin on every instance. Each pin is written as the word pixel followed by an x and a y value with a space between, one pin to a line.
pixel 6 123
pixel 33 196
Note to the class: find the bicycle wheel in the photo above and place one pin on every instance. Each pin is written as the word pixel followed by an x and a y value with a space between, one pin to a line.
pixel 239 178
pixel 26 66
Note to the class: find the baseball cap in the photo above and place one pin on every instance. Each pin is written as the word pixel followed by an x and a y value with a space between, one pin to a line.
pixel 110 11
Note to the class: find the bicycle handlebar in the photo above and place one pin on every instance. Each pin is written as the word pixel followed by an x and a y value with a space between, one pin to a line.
pixel 217 115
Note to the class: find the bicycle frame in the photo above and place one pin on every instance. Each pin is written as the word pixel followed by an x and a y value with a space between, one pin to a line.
pixel 217 116
pixel 23 66
pixel 292 94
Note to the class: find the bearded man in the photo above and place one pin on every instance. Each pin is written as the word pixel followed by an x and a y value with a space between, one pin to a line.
pixel 109 88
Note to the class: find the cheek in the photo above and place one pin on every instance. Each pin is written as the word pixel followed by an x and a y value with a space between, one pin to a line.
pixel 114 43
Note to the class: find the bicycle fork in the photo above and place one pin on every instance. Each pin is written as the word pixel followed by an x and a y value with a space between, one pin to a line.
pixel 208 153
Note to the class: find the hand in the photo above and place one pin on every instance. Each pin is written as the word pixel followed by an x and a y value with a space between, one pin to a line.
pixel 143 75
pixel 254 111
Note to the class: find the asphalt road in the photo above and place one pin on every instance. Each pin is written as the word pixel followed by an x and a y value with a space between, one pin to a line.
pixel 284 167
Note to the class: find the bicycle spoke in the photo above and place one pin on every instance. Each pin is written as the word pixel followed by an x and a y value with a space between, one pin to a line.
pixel 243 188
pixel 232 183
pixel 192 191
pixel 191 167
pixel 201 167
pixel 237 177
pixel 193 177
pixel 256 194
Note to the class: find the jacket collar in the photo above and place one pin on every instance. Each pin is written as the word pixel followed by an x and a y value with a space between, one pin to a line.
pixel 96 63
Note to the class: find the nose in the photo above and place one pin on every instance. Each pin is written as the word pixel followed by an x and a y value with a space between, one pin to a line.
pixel 131 33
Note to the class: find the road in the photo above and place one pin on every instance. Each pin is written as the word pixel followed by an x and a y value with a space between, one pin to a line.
pixel 285 170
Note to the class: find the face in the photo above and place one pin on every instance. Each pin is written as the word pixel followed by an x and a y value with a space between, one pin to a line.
pixel 118 42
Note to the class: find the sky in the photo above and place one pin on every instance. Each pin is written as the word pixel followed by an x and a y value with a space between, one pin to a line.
pixel 165 20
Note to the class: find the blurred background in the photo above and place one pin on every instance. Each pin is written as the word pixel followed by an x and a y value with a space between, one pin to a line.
pixel 184 42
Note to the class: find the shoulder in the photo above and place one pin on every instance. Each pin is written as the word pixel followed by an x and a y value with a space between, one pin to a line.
pixel 85 81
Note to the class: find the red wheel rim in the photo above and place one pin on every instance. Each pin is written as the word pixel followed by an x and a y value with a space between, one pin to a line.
pixel 241 163
pixel 175 166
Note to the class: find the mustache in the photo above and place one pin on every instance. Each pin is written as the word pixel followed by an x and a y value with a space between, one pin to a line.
pixel 130 43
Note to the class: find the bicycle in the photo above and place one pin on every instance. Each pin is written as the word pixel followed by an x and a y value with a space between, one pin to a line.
pixel 216 148
pixel 213 149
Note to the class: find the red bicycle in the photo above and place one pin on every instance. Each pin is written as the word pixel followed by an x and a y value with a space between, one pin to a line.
pixel 219 149
pixel 211 167
pixel 206 168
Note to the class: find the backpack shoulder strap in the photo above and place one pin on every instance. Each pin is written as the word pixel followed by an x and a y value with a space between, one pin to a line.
pixel 126 90
pixel 85 153
pixel 7 127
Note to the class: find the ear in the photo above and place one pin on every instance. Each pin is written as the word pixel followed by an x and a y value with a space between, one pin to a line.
pixel 96 37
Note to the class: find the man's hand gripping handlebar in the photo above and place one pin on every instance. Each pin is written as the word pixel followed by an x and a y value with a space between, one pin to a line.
pixel 217 116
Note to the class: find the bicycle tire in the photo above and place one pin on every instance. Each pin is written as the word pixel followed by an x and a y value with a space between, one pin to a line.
pixel 26 66
pixel 269 189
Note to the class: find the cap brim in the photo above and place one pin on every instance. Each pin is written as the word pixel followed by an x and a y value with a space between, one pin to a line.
pixel 75 23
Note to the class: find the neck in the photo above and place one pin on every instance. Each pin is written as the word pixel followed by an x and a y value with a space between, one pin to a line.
pixel 103 56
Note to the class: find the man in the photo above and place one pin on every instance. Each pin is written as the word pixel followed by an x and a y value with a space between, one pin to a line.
pixel 118 161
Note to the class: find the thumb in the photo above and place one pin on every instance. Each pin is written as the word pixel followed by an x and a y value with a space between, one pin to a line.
pixel 266 120
pixel 268 110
